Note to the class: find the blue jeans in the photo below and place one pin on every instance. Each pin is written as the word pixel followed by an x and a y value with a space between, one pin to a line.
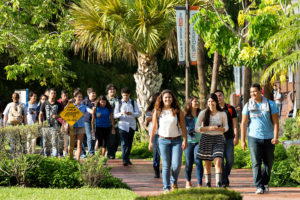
pixel 261 151
pixel 171 154
pixel 279 106
pixel 88 140
pixel 126 143
pixel 229 157
pixel 190 157
pixel 156 153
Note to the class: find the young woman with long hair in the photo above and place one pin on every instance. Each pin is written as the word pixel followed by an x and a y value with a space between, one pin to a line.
pixel 212 123
pixel 168 120
pixel 191 112
pixel 103 116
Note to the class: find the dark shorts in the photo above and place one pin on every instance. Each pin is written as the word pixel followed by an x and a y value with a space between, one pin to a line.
pixel 102 135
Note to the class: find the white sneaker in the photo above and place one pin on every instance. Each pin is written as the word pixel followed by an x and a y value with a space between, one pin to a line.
pixel 259 191
pixel 267 189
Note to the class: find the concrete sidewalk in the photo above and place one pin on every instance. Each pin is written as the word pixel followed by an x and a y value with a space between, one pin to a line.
pixel 139 177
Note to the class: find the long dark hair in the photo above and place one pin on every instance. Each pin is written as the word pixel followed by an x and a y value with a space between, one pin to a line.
pixel 159 104
pixel 188 106
pixel 152 103
pixel 207 111
pixel 107 105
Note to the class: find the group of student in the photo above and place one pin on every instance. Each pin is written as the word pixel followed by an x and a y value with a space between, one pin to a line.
pixel 97 127
pixel 204 135
pixel 210 135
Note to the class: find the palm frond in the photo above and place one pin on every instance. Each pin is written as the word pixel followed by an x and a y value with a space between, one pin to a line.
pixel 281 67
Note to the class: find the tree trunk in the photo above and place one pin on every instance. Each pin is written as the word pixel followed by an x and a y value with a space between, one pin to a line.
pixel 201 73
pixel 148 81
pixel 214 79
pixel 247 84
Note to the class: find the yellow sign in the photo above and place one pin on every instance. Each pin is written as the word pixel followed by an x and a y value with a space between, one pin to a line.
pixel 71 114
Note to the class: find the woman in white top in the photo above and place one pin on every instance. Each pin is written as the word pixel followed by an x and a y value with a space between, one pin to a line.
pixel 168 119
pixel 212 123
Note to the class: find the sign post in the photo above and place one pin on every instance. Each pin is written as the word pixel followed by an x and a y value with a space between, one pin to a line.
pixel 187 40
pixel 71 114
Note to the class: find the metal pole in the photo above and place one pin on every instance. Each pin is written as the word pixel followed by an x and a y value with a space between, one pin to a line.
pixel 187 54
pixel 71 142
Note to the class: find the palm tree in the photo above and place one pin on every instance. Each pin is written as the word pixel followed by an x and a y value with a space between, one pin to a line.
pixel 133 30
pixel 282 47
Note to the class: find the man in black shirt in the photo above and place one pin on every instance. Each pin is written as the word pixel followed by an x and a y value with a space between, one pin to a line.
pixel 51 108
pixel 231 136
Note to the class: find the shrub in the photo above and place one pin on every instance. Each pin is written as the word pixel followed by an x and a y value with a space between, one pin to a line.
pixel 291 130
pixel 196 193
pixel 93 171
pixel 286 167
pixel 55 173
pixel 141 151
pixel 294 158
pixel 242 159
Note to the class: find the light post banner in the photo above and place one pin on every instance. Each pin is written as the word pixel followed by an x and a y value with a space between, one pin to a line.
pixel 291 75
pixel 180 26
pixel 237 77
pixel 193 37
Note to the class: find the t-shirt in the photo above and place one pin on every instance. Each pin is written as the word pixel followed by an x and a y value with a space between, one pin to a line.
pixel 51 109
pixel 277 95
pixel 260 125
pixel 231 113
pixel 103 117
pixel 31 113
pixel 87 117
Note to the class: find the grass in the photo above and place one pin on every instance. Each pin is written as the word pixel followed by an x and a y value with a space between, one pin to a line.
pixel 15 193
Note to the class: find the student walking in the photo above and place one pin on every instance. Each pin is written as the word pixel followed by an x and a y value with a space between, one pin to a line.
pixel 31 119
pixel 212 123
pixel 191 112
pixel 103 116
pixel 126 111
pixel 64 100
pixel 231 137
pixel 113 139
pixel 262 136
pixel 156 153
pixel 15 113
pixel 89 101
pixel 168 120
pixel 79 129
pixel 51 108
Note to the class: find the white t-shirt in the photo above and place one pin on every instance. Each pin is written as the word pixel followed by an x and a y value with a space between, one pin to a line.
pixel 31 113
pixel 168 126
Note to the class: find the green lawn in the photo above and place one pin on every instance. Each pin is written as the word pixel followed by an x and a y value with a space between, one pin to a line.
pixel 14 193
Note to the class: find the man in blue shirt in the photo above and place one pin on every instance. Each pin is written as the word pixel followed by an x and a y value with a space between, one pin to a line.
pixel 262 135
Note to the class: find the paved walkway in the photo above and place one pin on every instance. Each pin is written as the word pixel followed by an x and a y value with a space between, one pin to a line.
pixel 139 177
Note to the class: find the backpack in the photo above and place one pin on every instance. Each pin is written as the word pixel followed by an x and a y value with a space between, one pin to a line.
pixel 269 111
pixel 15 115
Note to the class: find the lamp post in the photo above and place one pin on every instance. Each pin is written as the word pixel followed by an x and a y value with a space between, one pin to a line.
pixel 297 97
pixel 187 57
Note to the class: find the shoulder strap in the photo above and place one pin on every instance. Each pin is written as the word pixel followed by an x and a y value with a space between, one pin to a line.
pixel 270 110
pixel 229 109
